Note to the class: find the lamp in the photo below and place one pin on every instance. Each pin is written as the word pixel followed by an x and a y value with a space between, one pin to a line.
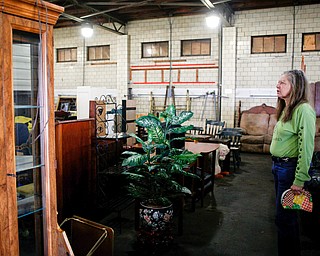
pixel 86 29
pixel 213 21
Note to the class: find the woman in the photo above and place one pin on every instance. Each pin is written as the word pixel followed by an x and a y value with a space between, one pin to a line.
pixel 291 148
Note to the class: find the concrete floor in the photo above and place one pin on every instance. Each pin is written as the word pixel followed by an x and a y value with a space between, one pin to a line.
pixel 241 222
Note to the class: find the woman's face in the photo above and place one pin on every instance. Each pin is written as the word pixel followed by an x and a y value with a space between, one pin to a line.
pixel 284 87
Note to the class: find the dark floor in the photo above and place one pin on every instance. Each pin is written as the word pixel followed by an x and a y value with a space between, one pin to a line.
pixel 240 223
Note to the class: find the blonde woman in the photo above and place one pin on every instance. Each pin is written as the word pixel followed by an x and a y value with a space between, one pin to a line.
pixel 292 149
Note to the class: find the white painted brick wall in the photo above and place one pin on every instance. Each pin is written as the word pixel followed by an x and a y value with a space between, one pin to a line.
pixel 259 72
pixel 183 28
pixel 248 77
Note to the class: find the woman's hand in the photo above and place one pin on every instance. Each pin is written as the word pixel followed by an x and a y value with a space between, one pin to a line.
pixel 296 189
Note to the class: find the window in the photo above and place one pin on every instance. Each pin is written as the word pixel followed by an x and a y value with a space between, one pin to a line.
pixel 67 55
pixel 101 52
pixel 311 42
pixel 269 44
pixel 198 47
pixel 155 49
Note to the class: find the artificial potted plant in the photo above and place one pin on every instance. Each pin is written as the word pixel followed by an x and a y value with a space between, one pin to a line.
pixel 153 175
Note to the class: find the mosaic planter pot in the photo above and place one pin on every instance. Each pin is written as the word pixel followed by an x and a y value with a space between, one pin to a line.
pixel 156 225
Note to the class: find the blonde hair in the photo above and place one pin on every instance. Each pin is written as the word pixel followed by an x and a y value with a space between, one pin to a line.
pixel 299 94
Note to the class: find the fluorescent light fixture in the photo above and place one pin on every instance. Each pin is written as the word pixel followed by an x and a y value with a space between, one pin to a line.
pixel 86 29
pixel 208 4
pixel 213 21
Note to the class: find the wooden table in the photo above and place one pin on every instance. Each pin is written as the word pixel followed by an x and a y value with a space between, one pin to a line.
pixel 201 148
pixel 206 171
pixel 197 137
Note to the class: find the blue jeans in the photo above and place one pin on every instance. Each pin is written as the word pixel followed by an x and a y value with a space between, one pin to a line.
pixel 286 220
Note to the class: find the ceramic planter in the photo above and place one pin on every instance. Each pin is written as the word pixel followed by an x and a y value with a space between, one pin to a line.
pixel 155 226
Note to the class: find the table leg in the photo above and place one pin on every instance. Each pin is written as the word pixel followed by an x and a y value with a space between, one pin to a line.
pixel 211 193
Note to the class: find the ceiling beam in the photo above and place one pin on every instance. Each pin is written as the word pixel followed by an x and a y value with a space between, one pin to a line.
pixel 91 9
pixel 118 8
pixel 114 30
pixel 151 4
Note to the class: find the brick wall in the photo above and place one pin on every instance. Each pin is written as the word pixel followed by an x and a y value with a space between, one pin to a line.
pixel 257 74
pixel 249 78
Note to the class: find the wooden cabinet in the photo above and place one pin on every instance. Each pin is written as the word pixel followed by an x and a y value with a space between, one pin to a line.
pixel 28 211
pixel 76 177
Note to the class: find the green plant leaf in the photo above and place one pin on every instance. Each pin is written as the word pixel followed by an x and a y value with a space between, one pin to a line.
pixel 170 111
pixel 187 157
pixel 129 153
pixel 157 135
pixel 137 138
pixel 148 147
pixel 135 160
pixel 182 117
pixel 149 121
pixel 180 129
pixel 153 175
pixel 185 190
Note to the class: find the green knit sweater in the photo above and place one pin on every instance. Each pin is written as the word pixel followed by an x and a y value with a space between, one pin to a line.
pixel 295 138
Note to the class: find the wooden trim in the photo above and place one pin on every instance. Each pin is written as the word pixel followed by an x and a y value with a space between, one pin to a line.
pixel 161 61
pixel 49 175
pixel 103 63
pixel 8 202
pixel 33 10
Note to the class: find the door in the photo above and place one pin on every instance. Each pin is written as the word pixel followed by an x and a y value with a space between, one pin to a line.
pixel 29 151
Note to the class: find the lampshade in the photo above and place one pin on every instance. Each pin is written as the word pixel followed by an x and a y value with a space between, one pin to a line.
pixel 86 29
pixel 213 21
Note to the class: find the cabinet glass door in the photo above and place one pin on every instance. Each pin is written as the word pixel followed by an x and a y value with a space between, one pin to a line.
pixel 27 111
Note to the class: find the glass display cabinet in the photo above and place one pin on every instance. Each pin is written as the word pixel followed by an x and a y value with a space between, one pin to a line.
pixel 28 211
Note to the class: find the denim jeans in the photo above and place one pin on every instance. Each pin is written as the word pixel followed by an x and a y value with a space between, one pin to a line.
pixel 286 219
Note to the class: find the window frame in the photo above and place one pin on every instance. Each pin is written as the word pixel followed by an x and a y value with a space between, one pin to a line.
pixel 96 47
pixel 317 42
pixel 194 41
pixel 264 37
pixel 143 56
pixel 65 49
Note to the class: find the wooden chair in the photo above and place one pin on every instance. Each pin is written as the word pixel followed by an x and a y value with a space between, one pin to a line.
pixel 196 130
pixel 213 127
pixel 234 135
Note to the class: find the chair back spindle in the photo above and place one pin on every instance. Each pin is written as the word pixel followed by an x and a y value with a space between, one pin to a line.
pixel 213 128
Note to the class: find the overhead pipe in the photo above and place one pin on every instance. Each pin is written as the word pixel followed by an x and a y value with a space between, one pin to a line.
pixel 293 36
pixel 219 73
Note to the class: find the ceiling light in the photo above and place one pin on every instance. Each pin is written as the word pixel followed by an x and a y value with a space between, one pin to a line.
pixel 208 4
pixel 213 21
pixel 86 29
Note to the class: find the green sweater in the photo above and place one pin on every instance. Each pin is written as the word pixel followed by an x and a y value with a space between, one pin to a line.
pixel 295 138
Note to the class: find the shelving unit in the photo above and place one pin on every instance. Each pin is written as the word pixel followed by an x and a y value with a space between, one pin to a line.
pixel 28 216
